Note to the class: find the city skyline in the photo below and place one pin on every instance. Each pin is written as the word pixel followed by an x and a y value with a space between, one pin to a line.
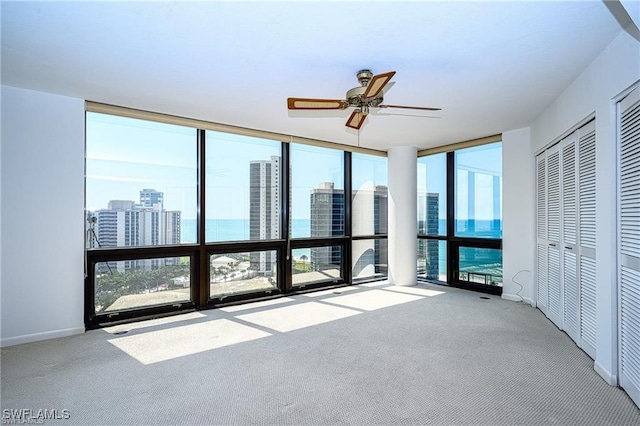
pixel 125 223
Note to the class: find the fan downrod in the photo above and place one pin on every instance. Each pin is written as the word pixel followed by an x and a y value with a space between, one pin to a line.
pixel 364 77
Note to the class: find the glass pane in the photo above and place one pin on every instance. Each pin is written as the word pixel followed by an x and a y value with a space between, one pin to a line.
pixel 370 259
pixel 480 266
pixel 240 273
pixel 432 195
pixel 432 259
pixel 141 181
pixel 317 191
pixel 137 283
pixel 478 177
pixel 317 264
pixel 243 188
pixel 370 195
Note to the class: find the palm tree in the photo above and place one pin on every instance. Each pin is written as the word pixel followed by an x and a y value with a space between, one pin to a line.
pixel 304 262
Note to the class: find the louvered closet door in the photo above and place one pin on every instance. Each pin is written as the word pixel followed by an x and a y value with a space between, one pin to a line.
pixel 587 236
pixel 554 203
pixel 569 240
pixel 542 251
pixel 629 243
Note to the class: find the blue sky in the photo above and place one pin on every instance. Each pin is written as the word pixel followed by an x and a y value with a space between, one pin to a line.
pixel 485 161
pixel 126 155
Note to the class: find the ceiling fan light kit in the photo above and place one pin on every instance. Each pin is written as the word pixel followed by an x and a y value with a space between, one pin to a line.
pixel 367 95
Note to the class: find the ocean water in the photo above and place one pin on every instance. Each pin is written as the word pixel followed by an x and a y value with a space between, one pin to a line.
pixel 471 259
pixel 473 228
pixel 217 230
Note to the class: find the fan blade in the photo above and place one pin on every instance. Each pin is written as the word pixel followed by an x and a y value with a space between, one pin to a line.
pixel 356 119
pixel 409 107
pixel 377 83
pixel 304 103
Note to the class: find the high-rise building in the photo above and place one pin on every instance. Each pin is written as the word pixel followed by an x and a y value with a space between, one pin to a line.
pixel 327 220
pixel 126 224
pixel 429 207
pixel 151 197
pixel 264 207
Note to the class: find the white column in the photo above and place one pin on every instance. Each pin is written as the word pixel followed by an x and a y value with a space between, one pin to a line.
pixel 403 221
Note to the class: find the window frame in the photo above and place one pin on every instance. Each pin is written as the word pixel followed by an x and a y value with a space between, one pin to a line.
pixel 199 252
pixel 454 243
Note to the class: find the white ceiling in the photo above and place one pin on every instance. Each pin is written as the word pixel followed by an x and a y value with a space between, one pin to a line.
pixel 490 66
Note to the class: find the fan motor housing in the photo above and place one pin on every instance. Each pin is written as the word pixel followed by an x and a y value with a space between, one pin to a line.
pixel 354 97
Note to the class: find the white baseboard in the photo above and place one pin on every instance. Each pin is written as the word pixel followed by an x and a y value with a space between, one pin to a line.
pixel 516 298
pixel 36 337
pixel 512 297
pixel 608 377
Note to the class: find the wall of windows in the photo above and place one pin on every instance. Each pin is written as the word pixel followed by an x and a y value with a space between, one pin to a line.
pixel 182 217
pixel 460 219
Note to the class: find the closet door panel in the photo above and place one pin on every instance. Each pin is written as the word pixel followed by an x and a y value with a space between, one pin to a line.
pixel 571 296
pixel 588 305
pixel 569 240
pixel 629 240
pixel 554 208
pixel 587 237
pixel 554 312
pixel 541 234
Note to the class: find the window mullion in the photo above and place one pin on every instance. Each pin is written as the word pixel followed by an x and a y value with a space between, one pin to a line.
pixel 347 252
pixel 452 258
pixel 200 291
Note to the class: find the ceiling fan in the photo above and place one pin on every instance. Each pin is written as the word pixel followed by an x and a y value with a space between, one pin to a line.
pixel 368 95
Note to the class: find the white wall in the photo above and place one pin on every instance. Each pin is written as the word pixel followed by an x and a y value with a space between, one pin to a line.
pixel 517 216
pixel 613 71
pixel 42 179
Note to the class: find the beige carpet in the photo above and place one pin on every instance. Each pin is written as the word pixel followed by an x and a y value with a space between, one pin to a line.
pixel 364 355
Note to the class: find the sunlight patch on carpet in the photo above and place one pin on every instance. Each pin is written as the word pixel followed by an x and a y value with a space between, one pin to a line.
pixel 372 300
pixel 415 290
pixel 254 305
pixel 178 341
pixel 294 317
pixel 374 284
pixel 328 293
pixel 154 322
